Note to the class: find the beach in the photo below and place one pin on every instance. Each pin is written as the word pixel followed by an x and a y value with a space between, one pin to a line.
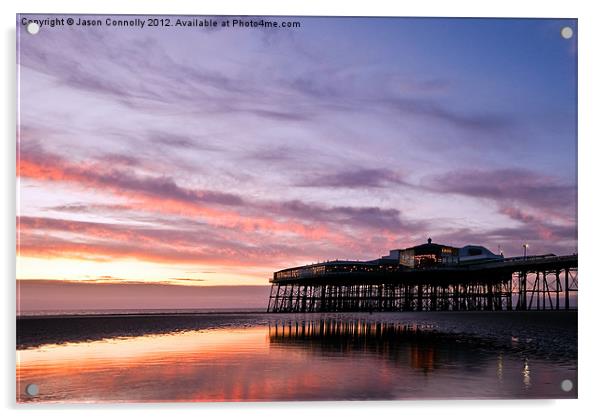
pixel 254 356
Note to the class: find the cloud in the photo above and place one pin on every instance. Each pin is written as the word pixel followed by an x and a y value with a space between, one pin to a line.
pixel 182 242
pixel 158 194
pixel 181 281
pixel 366 217
pixel 356 178
pixel 271 155
pixel 128 72
pixel 162 194
pixel 172 140
pixel 36 163
pixel 540 227
pixel 49 237
pixel 542 238
pixel 120 159
pixel 543 206
pixel 542 233
pixel 281 115
pixel 87 208
pixel 510 185
pixel 477 121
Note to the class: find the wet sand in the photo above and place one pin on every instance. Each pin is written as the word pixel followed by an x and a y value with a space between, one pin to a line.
pixel 548 332
pixel 187 357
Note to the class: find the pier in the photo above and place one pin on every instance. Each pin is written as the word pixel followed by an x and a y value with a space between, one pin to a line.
pixel 404 281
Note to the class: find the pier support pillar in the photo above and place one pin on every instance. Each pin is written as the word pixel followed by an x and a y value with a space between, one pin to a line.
pixel 566 289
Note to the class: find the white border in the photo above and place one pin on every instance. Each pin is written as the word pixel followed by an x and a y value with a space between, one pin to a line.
pixel 590 32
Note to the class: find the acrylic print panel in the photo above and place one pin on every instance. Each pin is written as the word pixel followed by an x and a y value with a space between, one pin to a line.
pixel 219 208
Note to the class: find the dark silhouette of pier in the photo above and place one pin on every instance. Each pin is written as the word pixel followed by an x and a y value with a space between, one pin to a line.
pixel 520 283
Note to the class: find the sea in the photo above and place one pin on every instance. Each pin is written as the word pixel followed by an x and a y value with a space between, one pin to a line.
pixel 226 355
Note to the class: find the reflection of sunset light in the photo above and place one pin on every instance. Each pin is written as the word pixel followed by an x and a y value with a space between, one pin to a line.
pixel 136 349
pixel 526 375
pixel 500 367
pixel 423 358
pixel 232 364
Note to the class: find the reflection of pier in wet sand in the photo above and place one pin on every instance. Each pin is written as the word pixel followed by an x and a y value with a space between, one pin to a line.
pixel 329 337
pixel 427 349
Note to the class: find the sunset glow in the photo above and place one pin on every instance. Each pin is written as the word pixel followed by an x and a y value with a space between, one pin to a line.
pixel 216 157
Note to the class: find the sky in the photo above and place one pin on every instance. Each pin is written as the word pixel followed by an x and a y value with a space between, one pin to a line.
pixel 198 157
